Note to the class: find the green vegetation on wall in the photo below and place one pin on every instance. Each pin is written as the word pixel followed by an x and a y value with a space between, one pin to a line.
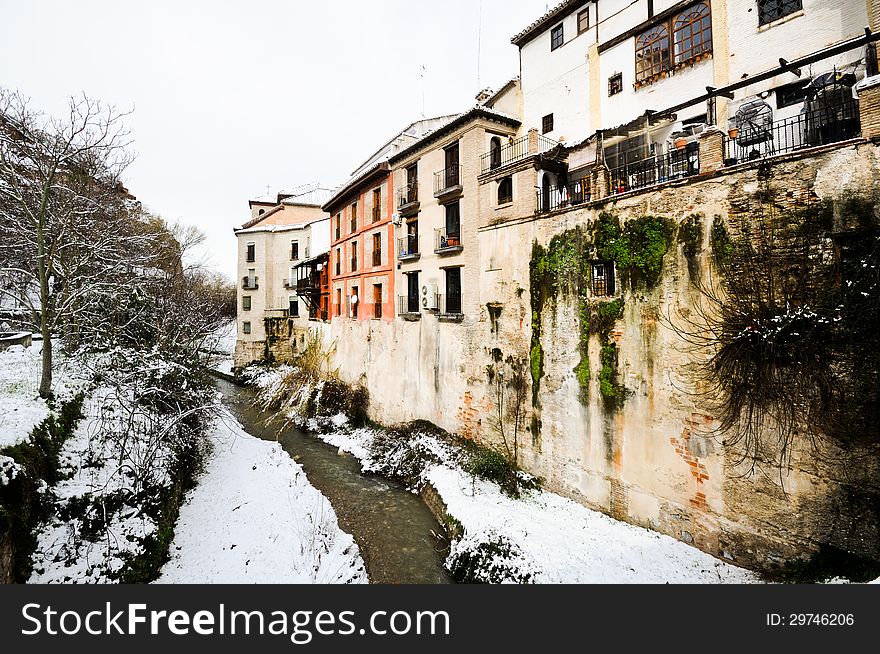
pixel 564 268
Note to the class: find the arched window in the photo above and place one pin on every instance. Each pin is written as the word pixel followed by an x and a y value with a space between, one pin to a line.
pixel 652 53
pixel 505 191
pixel 495 152
pixel 692 33
pixel 262 211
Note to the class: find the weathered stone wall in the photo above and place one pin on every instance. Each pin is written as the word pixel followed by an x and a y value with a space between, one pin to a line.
pixel 656 460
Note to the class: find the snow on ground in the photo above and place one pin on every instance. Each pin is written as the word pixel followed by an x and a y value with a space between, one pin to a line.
pixel 563 542
pixel 555 539
pixel 21 408
pixel 254 518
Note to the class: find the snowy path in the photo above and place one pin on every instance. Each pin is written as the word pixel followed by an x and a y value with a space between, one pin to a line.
pixel 254 518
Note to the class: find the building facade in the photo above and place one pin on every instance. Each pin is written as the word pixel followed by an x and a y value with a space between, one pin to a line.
pixel 362 257
pixel 271 248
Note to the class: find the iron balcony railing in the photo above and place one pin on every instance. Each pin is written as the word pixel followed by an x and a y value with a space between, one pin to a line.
pixel 408 247
pixel 445 239
pixel 449 305
pixel 514 151
pixel 307 284
pixel 250 283
pixel 377 258
pixel 560 197
pixel 446 179
pixel 407 194
pixel 822 126
pixel 408 305
pixel 678 164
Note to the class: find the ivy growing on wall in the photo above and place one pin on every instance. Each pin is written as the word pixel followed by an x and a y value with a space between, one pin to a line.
pixel 564 267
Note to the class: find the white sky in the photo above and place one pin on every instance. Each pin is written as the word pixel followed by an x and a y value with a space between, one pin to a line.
pixel 231 96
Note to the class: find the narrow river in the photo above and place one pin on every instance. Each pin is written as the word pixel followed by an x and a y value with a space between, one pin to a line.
pixel 396 533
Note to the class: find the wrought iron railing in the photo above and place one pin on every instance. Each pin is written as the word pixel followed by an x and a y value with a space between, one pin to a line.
pixel 568 195
pixel 408 246
pixel 445 239
pixel 678 164
pixel 250 283
pixel 449 305
pixel 408 305
pixel 377 213
pixel 822 126
pixel 446 179
pixel 306 284
pixel 377 258
pixel 408 194
pixel 512 152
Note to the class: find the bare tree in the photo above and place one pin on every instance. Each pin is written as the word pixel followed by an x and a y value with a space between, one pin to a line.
pixel 63 211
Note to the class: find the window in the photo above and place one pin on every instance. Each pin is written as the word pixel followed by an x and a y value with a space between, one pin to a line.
pixel 602 278
pixel 615 84
pixel 453 291
pixel 338 301
pixel 452 168
pixel 547 124
pixel 354 256
pixel 261 212
pixel 354 217
pixel 495 153
pixel 377 249
pixel 377 301
pixel 338 227
pixel 557 37
pixel 246 303
pixel 453 222
pixel 338 261
pixel 791 94
pixel 412 292
pixel 355 300
pixel 377 205
pixel 251 252
pixel 505 190
pixel 692 33
pixel 293 307
pixel 246 327
pixel 652 53
pixel 583 21
pixel 294 251
pixel 773 10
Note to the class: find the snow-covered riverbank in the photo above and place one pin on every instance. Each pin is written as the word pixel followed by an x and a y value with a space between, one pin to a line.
pixel 254 518
pixel 542 537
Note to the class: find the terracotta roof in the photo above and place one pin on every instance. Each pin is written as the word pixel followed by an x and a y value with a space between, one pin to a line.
pixel 559 11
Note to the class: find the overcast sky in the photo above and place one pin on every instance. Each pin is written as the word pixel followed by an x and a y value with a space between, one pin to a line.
pixel 230 97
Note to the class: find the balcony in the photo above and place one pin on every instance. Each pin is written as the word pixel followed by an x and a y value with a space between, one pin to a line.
pixel 514 151
pixel 447 242
pixel 377 258
pixel 449 308
pixel 408 307
pixel 289 284
pixel 560 197
pixel 821 126
pixel 447 184
pixel 408 248
pixel 250 283
pixel 678 164
pixel 408 199
pixel 308 284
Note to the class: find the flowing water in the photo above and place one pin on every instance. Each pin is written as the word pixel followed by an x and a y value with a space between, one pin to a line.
pixel 396 533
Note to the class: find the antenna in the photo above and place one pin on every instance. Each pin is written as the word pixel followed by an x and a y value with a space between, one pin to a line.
pixel 479 44
pixel 422 70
